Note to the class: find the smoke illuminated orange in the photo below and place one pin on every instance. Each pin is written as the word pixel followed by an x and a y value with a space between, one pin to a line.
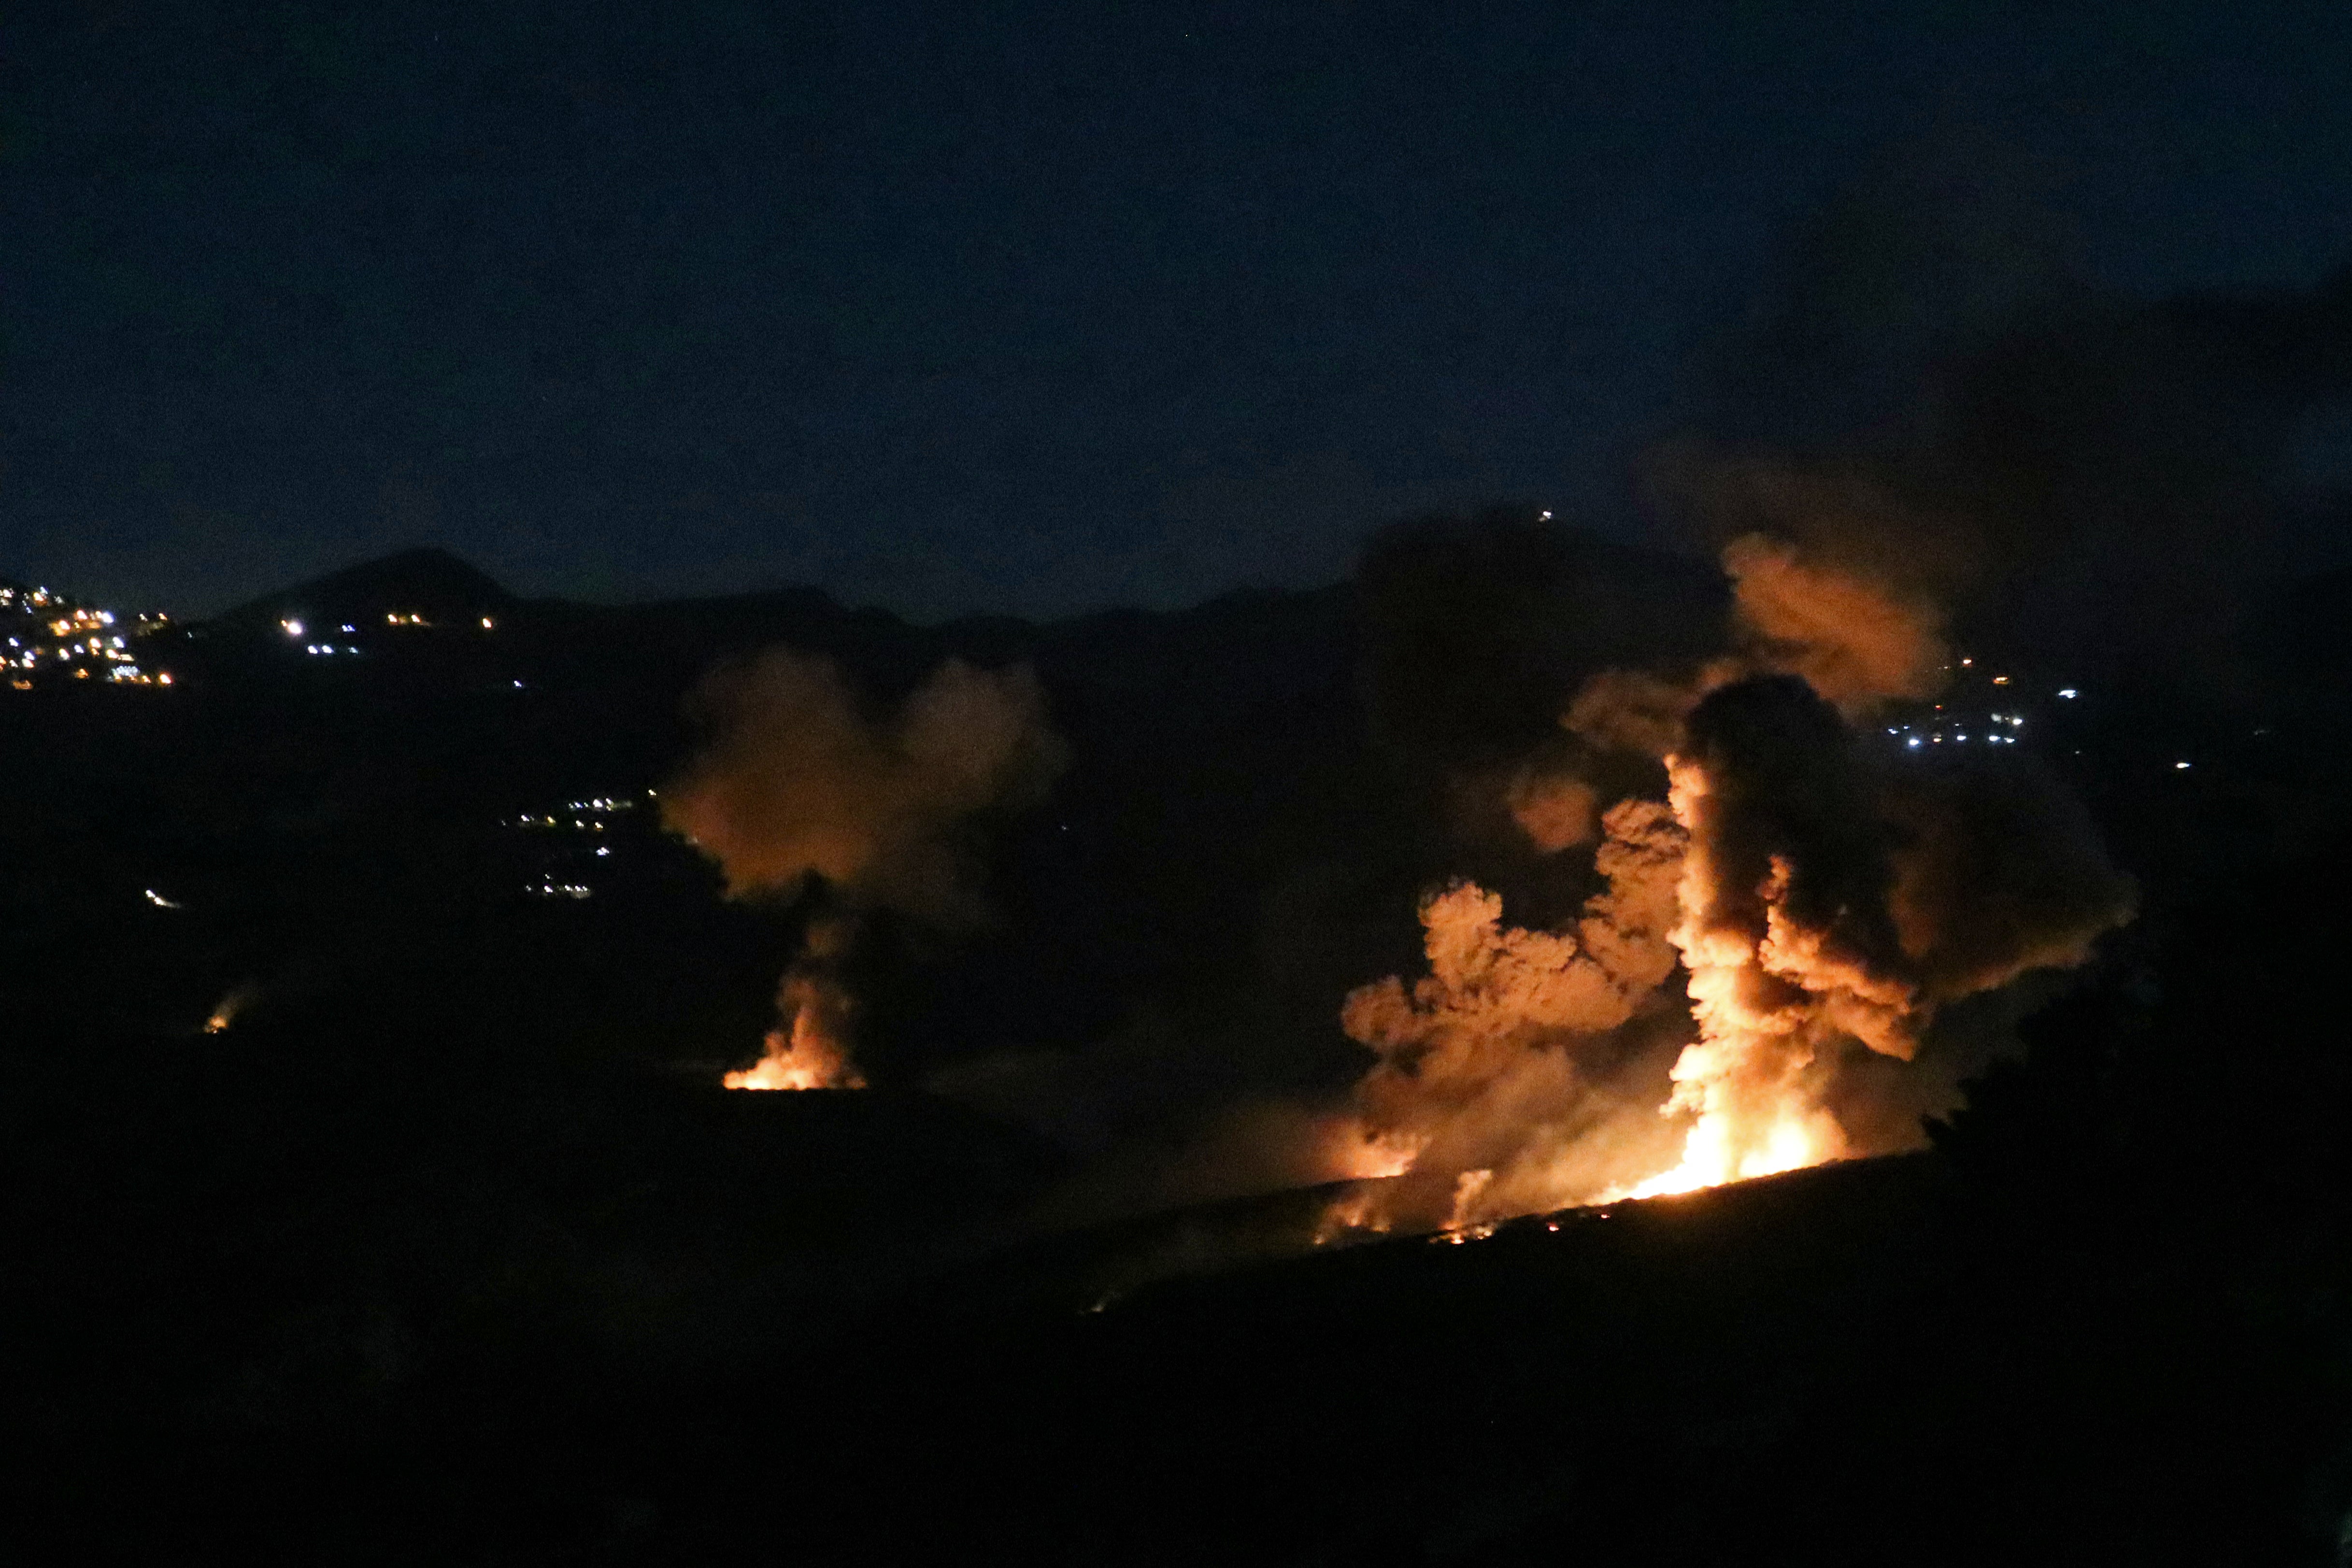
pixel 806 1058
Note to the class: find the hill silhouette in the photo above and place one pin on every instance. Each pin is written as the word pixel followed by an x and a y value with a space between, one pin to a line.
pixel 425 580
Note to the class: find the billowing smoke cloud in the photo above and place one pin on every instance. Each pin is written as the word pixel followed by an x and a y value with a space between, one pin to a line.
pixel 1504 1073
pixel 1821 900
pixel 800 781
pixel 1854 641
pixel 1938 438
pixel 1742 917
pixel 1999 871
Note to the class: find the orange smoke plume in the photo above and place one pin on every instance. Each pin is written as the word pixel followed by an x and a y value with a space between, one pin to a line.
pixel 1556 813
pixel 1822 906
pixel 800 781
pixel 806 1056
pixel 813 1050
pixel 1854 639
pixel 1501 1070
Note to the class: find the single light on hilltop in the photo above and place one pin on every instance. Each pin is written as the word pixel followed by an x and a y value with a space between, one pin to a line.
pixel 486 623
pixel 291 628
pixel 2066 691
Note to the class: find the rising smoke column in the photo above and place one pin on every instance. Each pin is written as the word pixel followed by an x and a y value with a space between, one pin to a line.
pixel 799 781
pixel 1786 930
pixel 1824 902
pixel 1829 901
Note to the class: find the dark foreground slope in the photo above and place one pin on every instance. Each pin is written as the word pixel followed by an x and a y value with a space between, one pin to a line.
pixel 1843 1366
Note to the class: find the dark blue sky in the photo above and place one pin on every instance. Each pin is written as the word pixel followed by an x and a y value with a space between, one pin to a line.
pixel 1012 306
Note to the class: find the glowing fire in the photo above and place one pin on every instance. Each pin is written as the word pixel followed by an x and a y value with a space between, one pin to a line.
pixel 806 1058
pixel 230 1006
pixel 1786 929
pixel 1743 1075
pixel 1710 1159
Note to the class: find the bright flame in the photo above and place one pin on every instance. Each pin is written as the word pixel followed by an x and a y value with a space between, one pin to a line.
pixel 1359 1153
pixel 1744 1074
pixel 1710 1160
pixel 807 1057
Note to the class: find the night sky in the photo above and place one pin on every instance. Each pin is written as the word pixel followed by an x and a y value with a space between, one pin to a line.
pixel 1016 307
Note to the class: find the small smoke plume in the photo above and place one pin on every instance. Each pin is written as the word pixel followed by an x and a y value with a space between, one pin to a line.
pixel 230 1007
pixel 1555 811
pixel 1855 641
pixel 799 779
pixel 802 783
